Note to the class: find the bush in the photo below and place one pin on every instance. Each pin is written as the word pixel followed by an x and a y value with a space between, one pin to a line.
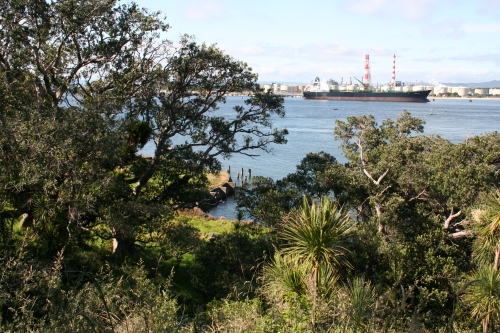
pixel 230 260
pixel 41 297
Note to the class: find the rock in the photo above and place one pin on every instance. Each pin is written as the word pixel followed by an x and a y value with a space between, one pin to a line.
pixel 198 211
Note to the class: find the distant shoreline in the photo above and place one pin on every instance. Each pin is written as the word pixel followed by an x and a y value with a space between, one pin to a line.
pixel 476 98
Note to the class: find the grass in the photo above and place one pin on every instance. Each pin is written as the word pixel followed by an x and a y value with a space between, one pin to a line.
pixel 208 226
pixel 216 180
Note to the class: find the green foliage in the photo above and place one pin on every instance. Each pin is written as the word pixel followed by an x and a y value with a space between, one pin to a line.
pixel 361 295
pixel 228 260
pixel 317 233
pixel 412 197
pixel 284 279
pixel 207 226
pixel 171 240
pixel 266 201
pixel 87 84
pixel 487 227
pixel 47 297
pixel 310 175
pixel 483 296
pixel 236 316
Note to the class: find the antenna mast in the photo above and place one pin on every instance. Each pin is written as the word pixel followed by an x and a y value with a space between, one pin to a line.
pixel 367 79
pixel 393 80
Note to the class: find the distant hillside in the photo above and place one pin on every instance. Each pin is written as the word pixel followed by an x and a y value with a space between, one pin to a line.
pixel 490 84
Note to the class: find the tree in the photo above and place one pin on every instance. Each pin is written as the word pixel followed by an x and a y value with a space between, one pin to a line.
pixel 364 144
pixel 268 201
pixel 87 84
pixel 309 176
pixel 316 234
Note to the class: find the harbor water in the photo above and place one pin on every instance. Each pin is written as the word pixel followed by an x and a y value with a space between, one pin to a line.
pixel 311 123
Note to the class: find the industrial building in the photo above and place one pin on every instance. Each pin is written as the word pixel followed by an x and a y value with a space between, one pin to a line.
pixel 438 91
pixel 392 86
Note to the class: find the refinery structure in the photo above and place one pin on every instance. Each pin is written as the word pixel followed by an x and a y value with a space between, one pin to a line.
pixel 392 86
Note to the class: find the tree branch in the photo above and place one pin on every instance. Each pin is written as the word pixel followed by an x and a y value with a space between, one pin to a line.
pixel 450 218
pixel 461 234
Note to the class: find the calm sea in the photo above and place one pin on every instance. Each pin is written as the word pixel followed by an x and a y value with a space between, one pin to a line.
pixel 310 124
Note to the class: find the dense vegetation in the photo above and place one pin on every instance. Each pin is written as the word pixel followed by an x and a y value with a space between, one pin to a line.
pixel 405 237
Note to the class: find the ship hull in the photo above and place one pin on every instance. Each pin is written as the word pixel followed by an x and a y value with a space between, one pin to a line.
pixel 412 96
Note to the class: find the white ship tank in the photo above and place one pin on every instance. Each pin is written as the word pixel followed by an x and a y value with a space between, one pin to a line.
pixel 418 88
pixel 397 88
pixel 407 88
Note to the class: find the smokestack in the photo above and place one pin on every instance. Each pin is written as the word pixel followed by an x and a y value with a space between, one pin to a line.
pixel 393 79
pixel 368 77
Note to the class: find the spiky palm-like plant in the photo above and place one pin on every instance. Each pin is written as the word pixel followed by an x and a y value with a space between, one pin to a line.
pixel 484 296
pixel 315 234
pixel 488 233
pixel 362 296
pixel 283 278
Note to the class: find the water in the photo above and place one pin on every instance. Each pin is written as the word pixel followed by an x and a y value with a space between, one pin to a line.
pixel 311 122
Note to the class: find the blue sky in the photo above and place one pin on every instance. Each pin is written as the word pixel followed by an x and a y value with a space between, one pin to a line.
pixel 294 41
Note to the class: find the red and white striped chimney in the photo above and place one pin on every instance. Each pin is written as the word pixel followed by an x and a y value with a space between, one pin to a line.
pixel 393 79
pixel 367 78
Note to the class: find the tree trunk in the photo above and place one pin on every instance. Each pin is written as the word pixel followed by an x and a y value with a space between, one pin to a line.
pixel 315 294
pixel 497 257
pixel 122 245
pixel 145 176
pixel 381 225
pixel 485 326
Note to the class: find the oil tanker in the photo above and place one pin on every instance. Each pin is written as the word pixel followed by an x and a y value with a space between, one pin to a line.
pixel 393 92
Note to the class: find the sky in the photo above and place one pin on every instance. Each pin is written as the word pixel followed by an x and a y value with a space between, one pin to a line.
pixel 293 41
